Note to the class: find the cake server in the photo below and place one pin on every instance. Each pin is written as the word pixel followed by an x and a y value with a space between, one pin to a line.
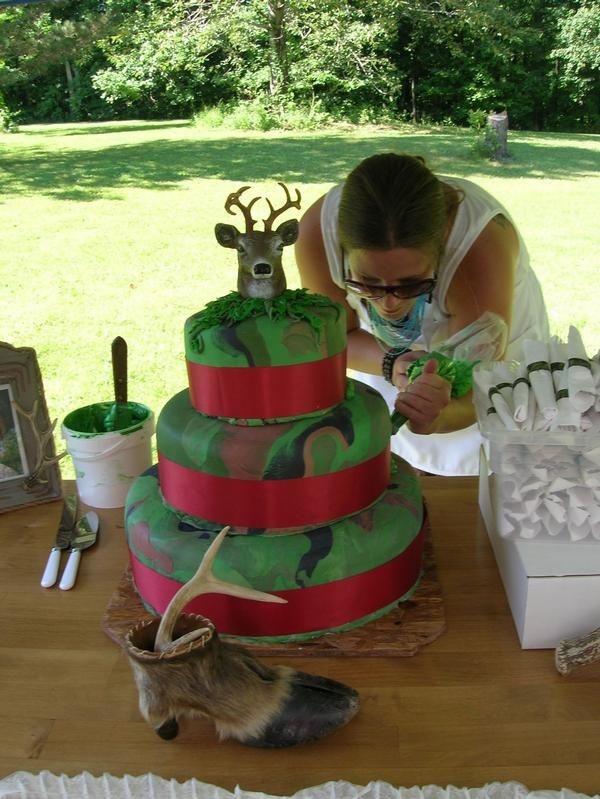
pixel 84 536
pixel 63 539
pixel 119 415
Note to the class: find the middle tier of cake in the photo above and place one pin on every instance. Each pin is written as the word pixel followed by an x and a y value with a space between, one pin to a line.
pixel 281 475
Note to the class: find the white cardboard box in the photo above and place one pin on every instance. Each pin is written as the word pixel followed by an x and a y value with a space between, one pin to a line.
pixel 552 586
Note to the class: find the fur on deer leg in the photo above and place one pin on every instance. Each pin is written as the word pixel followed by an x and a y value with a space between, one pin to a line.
pixel 249 701
pixel 182 668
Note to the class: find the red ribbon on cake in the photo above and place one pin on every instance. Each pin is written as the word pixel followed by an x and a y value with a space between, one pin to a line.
pixel 308 609
pixel 267 392
pixel 293 502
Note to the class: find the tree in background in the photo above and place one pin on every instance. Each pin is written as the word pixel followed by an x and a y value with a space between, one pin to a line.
pixel 578 59
pixel 47 56
pixel 359 60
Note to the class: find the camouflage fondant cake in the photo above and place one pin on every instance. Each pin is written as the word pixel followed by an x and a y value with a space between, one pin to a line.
pixel 271 439
pixel 320 512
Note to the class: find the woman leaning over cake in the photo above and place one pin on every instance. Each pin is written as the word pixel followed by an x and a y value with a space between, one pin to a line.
pixel 421 262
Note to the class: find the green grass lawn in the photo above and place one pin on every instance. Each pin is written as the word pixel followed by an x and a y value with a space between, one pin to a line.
pixel 107 229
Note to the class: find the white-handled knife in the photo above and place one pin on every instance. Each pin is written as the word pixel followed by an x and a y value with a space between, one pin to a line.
pixel 63 539
pixel 84 536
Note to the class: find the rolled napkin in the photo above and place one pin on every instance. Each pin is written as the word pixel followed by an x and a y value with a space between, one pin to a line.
pixel 530 420
pixel 492 385
pixel 501 395
pixel 493 423
pixel 567 418
pixel 559 356
pixel 521 393
pixel 536 360
pixel 582 390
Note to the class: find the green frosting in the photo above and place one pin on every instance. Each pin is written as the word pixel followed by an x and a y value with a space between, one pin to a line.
pixel 458 373
pixel 106 417
pixel 291 303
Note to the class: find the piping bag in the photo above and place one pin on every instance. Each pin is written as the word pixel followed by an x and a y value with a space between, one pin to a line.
pixel 457 372
pixel 484 339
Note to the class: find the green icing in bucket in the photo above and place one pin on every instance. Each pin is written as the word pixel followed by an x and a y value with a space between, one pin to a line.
pixel 91 420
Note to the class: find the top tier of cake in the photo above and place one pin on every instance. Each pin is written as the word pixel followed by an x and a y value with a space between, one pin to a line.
pixel 251 361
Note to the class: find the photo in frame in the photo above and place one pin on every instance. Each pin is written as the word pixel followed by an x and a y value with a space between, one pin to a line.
pixel 29 471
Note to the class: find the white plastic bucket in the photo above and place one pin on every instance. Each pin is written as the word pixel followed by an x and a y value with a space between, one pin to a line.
pixel 106 463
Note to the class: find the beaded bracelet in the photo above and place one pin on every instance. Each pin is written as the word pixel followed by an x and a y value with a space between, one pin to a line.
pixel 389 359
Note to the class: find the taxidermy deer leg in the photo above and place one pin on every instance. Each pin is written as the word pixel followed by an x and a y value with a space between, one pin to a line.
pixel 577 652
pixel 182 668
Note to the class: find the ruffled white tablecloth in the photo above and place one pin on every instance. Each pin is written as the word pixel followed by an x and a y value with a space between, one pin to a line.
pixel 45 785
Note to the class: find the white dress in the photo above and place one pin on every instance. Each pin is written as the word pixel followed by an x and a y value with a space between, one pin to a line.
pixel 455 453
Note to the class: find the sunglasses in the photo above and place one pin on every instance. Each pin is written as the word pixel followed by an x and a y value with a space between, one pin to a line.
pixel 406 292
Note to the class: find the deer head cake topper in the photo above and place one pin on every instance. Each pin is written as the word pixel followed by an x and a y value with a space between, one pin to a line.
pixel 260 273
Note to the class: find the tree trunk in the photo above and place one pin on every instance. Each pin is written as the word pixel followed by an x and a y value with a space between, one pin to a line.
pixel 70 89
pixel 496 136
pixel 279 66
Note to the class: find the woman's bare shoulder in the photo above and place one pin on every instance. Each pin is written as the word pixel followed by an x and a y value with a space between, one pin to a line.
pixel 484 280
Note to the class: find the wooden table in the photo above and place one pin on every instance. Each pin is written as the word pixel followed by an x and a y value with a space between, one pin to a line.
pixel 469 709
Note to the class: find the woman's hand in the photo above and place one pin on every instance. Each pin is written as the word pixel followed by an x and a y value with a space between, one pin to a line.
pixel 423 400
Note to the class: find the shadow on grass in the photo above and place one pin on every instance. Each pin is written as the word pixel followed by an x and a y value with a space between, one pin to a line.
pixel 97 128
pixel 165 163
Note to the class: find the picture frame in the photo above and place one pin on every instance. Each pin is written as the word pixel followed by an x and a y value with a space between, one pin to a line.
pixel 29 471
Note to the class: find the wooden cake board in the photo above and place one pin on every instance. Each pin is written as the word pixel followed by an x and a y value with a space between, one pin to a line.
pixel 402 632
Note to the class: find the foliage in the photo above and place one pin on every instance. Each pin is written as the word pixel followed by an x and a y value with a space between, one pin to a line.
pixel 578 56
pixel 47 54
pixel 264 113
pixel 9 452
pixel 160 63
pixel 267 63
pixel 7 118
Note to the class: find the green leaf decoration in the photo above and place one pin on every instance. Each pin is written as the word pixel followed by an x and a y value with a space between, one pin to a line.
pixel 233 308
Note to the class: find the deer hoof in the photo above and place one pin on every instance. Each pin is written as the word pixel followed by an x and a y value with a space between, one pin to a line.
pixel 314 707
pixel 168 730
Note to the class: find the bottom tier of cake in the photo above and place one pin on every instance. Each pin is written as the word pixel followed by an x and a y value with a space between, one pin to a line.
pixel 334 577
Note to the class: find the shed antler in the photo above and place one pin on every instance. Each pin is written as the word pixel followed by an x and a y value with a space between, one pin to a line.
pixel 203 582
pixel 234 201
pixel 580 651
pixel 289 203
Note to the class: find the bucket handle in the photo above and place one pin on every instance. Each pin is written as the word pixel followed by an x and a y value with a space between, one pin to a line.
pixel 97 455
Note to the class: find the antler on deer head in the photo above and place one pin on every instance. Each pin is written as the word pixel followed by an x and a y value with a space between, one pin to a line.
pixel 234 201
pixel 289 203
